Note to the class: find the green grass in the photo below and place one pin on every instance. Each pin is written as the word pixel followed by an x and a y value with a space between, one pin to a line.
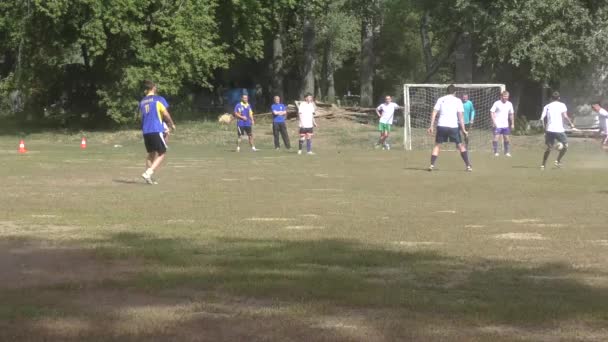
pixel 353 244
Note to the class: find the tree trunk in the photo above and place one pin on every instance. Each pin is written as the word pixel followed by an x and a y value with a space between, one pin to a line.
pixel 277 63
pixel 367 63
pixel 426 41
pixel 328 72
pixel 308 81
pixel 464 59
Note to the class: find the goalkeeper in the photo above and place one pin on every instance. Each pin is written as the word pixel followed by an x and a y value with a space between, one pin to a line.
pixel 469 116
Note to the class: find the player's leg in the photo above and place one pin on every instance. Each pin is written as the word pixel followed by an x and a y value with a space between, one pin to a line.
pixel 250 137
pixel 301 141
pixel 309 142
pixel 464 154
pixel 239 134
pixel 563 139
pixel 466 136
pixel 549 140
pixel 507 143
pixel 275 134
pixel 380 138
pixel 284 135
pixel 157 148
pixel 495 141
pixel 386 134
pixel 440 138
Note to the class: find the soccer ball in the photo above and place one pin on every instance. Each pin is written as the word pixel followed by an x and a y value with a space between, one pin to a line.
pixel 559 146
pixel 224 119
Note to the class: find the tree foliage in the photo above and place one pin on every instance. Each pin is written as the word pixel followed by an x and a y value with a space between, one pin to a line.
pixel 74 57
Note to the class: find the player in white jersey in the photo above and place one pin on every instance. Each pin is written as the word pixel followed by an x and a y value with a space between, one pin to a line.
pixel 306 118
pixel 603 116
pixel 555 113
pixel 503 122
pixel 386 113
pixel 451 116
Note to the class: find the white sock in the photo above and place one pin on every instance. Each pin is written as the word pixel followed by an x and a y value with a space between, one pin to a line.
pixel 149 172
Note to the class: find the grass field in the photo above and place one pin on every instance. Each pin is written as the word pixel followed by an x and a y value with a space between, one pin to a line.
pixel 353 244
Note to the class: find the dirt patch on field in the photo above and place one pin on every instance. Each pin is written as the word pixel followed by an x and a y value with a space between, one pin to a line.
pixel 33 264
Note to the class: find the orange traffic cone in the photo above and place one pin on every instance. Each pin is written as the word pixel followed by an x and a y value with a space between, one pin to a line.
pixel 83 143
pixel 22 146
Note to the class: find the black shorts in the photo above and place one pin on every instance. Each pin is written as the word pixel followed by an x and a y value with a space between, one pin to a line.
pixel 242 130
pixel 306 131
pixel 155 143
pixel 447 134
pixel 550 138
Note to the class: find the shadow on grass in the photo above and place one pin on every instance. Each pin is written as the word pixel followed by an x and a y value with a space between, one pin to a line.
pixel 333 276
pixel 129 181
pixel 348 273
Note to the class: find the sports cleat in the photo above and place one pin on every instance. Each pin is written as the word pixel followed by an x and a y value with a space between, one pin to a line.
pixel 387 146
pixel 496 155
pixel 253 149
pixel 431 168
pixel 238 149
pixel 299 151
pixel 311 153
pixel 557 164
pixel 508 155
pixel 469 168
pixel 542 167
pixel 147 178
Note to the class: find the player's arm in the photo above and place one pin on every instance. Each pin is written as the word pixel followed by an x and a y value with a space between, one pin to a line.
pixel 433 117
pixel 238 114
pixel 378 112
pixel 512 118
pixel 472 113
pixel 461 121
pixel 565 115
pixel 542 117
pixel 493 114
pixel 251 116
pixel 167 118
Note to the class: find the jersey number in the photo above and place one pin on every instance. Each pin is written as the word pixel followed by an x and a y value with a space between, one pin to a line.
pixel 147 108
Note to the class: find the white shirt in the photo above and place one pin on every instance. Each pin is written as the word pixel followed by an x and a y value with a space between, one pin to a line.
pixel 603 119
pixel 306 113
pixel 554 112
pixel 448 108
pixel 502 111
pixel 388 112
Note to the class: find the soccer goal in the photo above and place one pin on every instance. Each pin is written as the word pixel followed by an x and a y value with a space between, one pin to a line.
pixel 421 98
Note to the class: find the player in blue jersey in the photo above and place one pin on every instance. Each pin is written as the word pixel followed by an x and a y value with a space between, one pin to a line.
pixel 279 113
pixel 154 112
pixel 245 121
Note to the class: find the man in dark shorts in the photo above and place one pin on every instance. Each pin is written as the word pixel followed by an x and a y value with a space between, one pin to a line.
pixel 153 109
pixel 450 110
pixel 555 113
pixel 244 115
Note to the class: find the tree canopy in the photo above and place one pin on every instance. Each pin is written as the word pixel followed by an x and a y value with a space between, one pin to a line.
pixel 77 59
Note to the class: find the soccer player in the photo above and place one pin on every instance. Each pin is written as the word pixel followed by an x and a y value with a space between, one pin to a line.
pixel 603 116
pixel 555 113
pixel 306 117
pixel 279 114
pixel 503 121
pixel 386 113
pixel 450 111
pixel 244 114
pixel 469 116
pixel 153 109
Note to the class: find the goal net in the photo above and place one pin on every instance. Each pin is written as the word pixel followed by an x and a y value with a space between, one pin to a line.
pixel 421 98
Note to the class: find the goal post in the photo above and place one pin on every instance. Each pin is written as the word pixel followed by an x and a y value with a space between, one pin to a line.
pixel 419 100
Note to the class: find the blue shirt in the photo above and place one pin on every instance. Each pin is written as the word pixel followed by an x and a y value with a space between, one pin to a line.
pixel 469 112
pixel 245 110
pixel 151 108
pixel 278 107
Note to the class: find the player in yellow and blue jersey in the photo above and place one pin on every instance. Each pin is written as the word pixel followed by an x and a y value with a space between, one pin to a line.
pixel 154 111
